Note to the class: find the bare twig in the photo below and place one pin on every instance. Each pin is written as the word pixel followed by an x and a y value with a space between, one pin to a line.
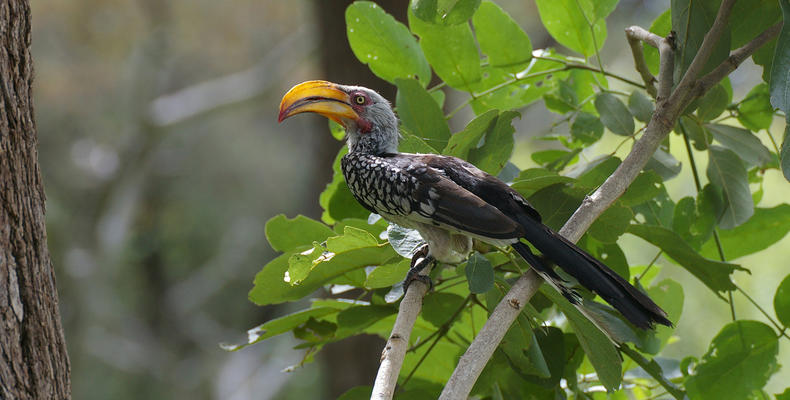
pixel 735 59
pixel 395 350
pixel 635 34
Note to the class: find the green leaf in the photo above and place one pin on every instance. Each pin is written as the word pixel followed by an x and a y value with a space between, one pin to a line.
pixel 641 106
pixel 741 359
pixel 657 211
pixel 352 238
pixel 755 111
pixel 700 137
pixel 566 22
pixel 743 142
pixel 694 220
pixel 646 186
pixel 780 70
pixel 438 307
pixel 713 103
pixel 452 12
pixel 287 234
pixel 602 8
pixel 498 146
pixel 271 286
pixel 714 274
pixel 669 295
pixel 412 144
pixel 388 274
pixel 784 395
pixel 750 18
pixel 556 203
pixel 726 171
pixel 691 20
pixel 599 349
pixel 782 301
pixel 534 179
pixel 337 130
pixel 300 264
pixel 586 128
pixel 357 393
pixel 611 224
pixel 766 227
pixel 500 95
pixel 451 51
pixel 404 241
pixel 595 172
pixel 555 159
pixel 353 320
pixel 281 325
pixel 614 114
pixel 420 114
pixel 479 273
pixel 664 164
pixel 462 142
pixel 424 9
pixel 501 38
pixel 385 44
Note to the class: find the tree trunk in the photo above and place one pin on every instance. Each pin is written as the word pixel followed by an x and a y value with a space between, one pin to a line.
pixel 33 359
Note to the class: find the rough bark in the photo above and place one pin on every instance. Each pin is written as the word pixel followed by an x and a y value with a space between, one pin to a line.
pixel 33 359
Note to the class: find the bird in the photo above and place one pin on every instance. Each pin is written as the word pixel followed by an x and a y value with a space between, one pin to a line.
pixel 450 202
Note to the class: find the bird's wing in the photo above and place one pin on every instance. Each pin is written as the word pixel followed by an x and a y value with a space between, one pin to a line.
pixel 440 199
pixel 483 185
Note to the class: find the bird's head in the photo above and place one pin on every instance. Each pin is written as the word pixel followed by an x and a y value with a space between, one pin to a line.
pixel 370 123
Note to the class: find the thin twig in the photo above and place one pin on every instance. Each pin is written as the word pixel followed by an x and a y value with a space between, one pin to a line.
pixel 635 35
pixel 395 350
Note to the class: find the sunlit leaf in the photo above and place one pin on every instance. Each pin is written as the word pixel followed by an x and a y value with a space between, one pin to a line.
pixel 287 234
pixel 501 39
pixel 451 51
pixel 756 112
pixel 566 22
pixel 385 44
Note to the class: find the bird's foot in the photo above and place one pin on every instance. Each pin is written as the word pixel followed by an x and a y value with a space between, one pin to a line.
pixel 419 261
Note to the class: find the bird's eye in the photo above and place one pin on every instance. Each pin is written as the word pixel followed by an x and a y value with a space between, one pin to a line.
pixel 359 99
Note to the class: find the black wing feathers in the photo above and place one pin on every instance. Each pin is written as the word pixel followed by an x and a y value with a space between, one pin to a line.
pixel 462 188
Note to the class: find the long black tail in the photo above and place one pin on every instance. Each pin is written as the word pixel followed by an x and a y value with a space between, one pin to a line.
pixel 636 306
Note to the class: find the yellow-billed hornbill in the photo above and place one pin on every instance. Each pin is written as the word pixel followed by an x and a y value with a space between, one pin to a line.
pixel 450 201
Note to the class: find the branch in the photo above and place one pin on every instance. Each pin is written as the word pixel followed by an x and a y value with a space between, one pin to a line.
pixel 635 34
pixel 395 350
pixel 482 348
pixel 735 59
pixel 680 95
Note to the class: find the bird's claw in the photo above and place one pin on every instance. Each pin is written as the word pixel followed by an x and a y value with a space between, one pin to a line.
pixel 419 261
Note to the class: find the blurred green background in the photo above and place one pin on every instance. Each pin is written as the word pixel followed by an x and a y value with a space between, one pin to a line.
pixel 163 160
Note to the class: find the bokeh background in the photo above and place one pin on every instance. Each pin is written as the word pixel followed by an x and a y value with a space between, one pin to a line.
pixel 162 161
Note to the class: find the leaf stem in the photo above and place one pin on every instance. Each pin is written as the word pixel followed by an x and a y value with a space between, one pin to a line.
pixel 643 362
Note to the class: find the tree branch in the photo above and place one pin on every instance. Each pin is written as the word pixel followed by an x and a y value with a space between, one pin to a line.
pixel 680 95
pixel 398 342
pixel 635 34
pixel 482 348
pixel 735 59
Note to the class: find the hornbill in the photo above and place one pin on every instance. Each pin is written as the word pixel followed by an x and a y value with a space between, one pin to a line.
pixel 450 201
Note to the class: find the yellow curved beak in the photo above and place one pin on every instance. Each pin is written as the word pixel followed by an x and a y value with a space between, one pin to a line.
pixel 321 97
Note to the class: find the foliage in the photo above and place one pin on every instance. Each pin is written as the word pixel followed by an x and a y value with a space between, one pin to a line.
pixel 351 250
